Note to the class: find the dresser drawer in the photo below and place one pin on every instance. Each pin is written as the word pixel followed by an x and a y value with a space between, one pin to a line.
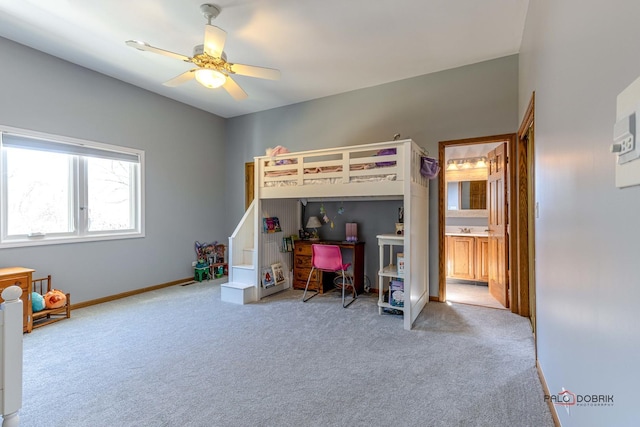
pixel 302 248
pixel 303 274
pixel 18 280
pixel 303 262
pixel 300 276
pixel 300 284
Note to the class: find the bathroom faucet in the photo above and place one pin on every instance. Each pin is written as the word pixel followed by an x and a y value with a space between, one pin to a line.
pixel 465 230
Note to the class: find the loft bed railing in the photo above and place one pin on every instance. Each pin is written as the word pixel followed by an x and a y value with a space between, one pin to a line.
pixel 378 169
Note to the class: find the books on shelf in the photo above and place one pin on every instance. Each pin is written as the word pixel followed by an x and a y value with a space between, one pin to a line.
pixel 274 275
pixel 396 293
pixel 271 224
pixel 287 244
pixel 278 273
pixel 401 264
pixel 267 278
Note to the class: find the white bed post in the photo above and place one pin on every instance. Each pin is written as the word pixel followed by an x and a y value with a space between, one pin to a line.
pixel 416 231
pixel 257 243
pixel 11 320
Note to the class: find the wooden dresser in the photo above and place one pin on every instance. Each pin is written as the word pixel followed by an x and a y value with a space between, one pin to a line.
pixel 21 277
pixel 324 281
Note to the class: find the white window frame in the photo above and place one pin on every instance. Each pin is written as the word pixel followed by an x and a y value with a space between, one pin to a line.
pixel 81 150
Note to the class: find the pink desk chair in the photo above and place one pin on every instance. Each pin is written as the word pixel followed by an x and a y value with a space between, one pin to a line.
pixel 329 258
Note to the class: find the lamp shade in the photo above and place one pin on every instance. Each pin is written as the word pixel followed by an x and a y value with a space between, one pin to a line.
pixel 210 78
pixel 313 222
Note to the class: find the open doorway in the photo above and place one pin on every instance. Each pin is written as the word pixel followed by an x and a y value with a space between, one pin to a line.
pixel 474 186
pixel 514 242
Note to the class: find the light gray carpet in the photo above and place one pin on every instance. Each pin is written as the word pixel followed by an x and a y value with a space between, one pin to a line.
pixel 181 357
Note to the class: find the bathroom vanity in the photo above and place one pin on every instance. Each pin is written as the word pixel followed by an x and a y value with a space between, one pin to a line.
pixel 467 254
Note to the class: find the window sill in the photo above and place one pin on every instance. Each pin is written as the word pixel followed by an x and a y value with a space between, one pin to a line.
pixel 67 240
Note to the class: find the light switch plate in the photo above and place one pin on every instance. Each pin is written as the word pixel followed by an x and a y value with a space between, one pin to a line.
pixel 628 174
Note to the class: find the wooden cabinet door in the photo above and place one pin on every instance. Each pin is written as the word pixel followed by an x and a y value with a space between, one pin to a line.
pixel 482 259
pixel 461 257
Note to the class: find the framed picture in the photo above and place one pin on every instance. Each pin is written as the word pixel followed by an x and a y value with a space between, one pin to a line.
pixel 267 278
pixel 278 273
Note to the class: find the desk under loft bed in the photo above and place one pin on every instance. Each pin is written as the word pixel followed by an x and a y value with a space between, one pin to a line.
pixel 378 171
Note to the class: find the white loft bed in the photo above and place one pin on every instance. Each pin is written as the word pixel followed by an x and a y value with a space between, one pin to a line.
pixel 11 317
pixel 385 170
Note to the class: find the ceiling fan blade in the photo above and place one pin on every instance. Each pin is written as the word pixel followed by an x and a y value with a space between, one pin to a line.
pixel 234 90
pixel 253 71
pixel 146 47
pixel 182 78
pixel 214 39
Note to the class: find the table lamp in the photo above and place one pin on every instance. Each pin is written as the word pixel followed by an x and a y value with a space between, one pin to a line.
pixel 314 223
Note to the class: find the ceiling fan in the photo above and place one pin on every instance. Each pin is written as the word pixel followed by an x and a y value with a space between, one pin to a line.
pixel 212 69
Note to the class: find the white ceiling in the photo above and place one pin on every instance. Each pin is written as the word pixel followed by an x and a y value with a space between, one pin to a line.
pixel 321 47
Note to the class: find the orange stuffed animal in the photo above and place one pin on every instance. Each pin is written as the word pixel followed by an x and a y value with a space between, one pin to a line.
pixel 54 299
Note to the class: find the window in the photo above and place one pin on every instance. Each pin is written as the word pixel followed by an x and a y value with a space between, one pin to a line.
pixel 59 190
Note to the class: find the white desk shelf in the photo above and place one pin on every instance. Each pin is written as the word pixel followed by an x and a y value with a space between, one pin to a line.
pixel 387 270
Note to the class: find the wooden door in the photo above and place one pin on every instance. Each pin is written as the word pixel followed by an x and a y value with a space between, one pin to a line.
pixel 249 183
pixel 498 208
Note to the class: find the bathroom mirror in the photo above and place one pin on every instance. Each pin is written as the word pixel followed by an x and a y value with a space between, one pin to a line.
pixel 467 198
pixel 466 192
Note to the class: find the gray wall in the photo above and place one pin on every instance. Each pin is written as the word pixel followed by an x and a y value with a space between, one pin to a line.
pixel 471 101
pixel 369 226
pixel 577 59
pixel 187 198
pixel 184 181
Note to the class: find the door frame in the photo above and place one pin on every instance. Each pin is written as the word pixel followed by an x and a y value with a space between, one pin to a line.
pixel 525 222
pixel 510 139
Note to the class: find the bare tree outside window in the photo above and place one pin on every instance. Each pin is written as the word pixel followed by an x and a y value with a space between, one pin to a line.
pixel 110 194
pixel 39 195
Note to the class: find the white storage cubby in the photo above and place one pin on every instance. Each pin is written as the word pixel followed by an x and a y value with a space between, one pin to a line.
pixel 388 270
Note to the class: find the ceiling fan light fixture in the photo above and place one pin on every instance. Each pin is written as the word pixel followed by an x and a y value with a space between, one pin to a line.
pixel 210 66
pixel 210 78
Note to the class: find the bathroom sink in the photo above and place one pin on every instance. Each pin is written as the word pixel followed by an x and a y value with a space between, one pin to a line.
pixel 466 231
